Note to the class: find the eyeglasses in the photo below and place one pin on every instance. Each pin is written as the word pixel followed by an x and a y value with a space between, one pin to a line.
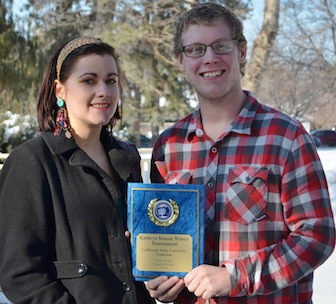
pixel 198 50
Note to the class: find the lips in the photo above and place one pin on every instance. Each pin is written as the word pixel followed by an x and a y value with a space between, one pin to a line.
pixel 100 105
pixel 211 74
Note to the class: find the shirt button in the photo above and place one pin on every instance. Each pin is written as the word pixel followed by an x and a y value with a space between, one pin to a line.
pixel 247 179
pixel 199 132
pixel 210 185
pixel 126 286
pixel 81 268
pixel 214 150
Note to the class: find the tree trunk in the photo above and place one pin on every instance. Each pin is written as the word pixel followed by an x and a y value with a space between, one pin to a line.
pixel 262 46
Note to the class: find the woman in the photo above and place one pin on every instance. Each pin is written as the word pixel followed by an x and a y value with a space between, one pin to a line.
pixel 62 194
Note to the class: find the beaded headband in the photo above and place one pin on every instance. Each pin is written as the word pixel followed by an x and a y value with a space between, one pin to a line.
pixel 70 47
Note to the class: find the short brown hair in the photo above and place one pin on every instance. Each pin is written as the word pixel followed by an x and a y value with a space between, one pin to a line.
pixel 208 14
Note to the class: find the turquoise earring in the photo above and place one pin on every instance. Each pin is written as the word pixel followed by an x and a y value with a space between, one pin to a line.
pixel 60 102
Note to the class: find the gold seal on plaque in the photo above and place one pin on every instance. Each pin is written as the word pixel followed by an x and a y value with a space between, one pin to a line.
pixel 163 213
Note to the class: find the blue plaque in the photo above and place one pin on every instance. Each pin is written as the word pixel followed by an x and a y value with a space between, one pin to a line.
pixel 166 222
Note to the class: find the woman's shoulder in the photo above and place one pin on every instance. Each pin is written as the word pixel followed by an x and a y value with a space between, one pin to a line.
pixel 34 148
pixel 26 156
pixel 30 145
pixel 127 145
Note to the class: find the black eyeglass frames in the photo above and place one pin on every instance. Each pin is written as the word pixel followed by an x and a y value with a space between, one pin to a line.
pixel 199 49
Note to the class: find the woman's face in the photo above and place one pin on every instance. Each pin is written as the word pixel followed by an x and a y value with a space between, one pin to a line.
pixel 91 93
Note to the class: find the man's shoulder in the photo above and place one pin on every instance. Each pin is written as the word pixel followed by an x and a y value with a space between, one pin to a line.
pixel 182 123
pixel 181 126
pixel 265 111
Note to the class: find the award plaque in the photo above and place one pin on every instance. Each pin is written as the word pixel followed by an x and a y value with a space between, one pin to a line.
pixel 166 222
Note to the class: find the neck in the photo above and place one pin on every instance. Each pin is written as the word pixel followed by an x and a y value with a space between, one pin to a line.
pixel 87 139
pixel 217 115
pixel 90 143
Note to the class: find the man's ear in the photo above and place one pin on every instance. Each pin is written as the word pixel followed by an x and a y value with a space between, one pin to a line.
pixel 59 89
pixel 243 52
pixel 180 62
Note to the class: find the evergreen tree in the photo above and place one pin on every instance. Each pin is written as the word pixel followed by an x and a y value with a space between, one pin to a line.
pixel 141 31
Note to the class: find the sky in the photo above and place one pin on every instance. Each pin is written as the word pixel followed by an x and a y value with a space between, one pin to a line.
pixel 252 25
pixel 17 4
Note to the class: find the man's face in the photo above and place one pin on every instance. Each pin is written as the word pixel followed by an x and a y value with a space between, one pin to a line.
pixel 213 76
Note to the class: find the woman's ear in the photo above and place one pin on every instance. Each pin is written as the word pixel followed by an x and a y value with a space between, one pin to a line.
pixel 59 89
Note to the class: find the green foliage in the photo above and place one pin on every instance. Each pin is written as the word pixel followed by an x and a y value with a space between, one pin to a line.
pixel 18 56
pixel 140 30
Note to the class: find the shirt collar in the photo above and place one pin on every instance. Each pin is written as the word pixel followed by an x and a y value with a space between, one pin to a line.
pixel 242 124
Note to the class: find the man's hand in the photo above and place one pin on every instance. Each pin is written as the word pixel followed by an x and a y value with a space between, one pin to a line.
pixel 208 281
pixel 165 289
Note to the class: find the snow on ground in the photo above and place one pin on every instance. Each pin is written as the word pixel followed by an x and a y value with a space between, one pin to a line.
pixel 328 159
pixel 325 276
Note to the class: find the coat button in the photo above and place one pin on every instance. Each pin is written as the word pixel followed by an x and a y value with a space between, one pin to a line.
pixel 126 286
pixel 81 268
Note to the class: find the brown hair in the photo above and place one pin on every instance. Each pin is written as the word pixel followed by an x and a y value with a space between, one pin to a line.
pixel 46 99
pixel 208 14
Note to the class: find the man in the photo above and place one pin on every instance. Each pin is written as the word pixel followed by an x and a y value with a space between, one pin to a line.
pixel 269 222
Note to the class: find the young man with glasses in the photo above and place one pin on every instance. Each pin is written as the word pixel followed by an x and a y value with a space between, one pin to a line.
pixel 268 218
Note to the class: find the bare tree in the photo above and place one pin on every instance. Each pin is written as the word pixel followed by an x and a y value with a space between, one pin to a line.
pixel 262 46
pixel 300 78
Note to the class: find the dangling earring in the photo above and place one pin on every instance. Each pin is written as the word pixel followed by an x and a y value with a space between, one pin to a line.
pixel 61 120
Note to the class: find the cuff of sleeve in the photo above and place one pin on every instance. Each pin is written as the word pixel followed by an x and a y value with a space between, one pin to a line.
pixel 238 278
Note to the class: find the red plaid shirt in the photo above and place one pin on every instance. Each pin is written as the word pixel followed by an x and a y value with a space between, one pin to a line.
pixel 268 214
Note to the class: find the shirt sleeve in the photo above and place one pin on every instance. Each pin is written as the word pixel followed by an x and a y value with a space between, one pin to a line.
pixel 307 214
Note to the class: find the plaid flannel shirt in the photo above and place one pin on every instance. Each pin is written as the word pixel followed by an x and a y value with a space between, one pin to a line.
pixel 268 214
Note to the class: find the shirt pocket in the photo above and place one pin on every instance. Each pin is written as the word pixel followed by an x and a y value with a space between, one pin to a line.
pixel 247 193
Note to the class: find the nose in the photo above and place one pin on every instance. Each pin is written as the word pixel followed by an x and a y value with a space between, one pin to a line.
pixel 210 54
pixel 103 90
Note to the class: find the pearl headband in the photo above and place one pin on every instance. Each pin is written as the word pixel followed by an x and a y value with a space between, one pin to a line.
pixel 71 46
